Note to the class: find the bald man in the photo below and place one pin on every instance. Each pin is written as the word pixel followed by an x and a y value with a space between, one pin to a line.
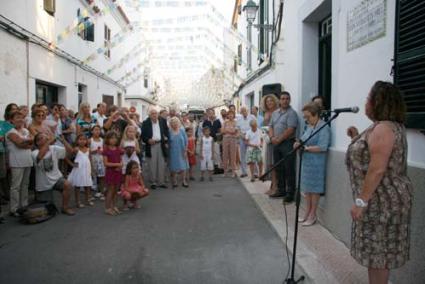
pixel 155 135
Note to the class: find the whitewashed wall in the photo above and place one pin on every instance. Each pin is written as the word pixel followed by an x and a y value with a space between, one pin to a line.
pixel 44 65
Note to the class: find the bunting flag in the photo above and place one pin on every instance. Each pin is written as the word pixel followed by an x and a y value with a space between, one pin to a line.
pixel 79 24
pixel 136 51
pixel 165 3
pixel 117 39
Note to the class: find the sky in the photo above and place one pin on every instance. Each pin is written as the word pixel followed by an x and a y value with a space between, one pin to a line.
pixel 185 43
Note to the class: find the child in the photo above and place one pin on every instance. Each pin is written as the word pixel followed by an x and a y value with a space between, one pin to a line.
pixel 207 146
pixel 254 141
pixel 80 176
pixel 130 134
pixel 129 155
pixel 133 188
pixel 98 168
pixel 191 144
pixel 113 173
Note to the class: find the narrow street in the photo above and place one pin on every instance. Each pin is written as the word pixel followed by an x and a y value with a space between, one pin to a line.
pixel 210 233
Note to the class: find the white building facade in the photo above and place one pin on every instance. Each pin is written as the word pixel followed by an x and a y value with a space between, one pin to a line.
pixel 338 49
pixel 46 58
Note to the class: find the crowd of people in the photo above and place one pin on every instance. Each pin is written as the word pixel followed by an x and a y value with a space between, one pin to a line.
pixel 96 151
pixel 108 153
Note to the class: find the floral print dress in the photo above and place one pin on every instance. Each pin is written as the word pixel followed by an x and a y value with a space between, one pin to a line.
pixel 380 239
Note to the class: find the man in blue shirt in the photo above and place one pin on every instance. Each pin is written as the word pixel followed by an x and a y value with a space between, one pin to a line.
pixel 282 131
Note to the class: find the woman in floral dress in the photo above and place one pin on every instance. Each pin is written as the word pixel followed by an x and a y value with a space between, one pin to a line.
pixel 377 163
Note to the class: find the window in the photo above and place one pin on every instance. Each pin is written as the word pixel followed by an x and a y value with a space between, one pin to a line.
pixel 82 93
pixel 50 6
pixel 46 94
pixel 87 32
pixel 409 59
pixel 263 36
pixel 240 54
pixel 325 60
pixel 107 36
pixel 146 81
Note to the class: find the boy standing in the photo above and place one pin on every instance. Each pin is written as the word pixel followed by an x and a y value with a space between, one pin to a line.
pixel 207 154
pixel 254 141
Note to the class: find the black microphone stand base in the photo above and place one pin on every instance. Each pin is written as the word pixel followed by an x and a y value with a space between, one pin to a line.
pixel 293 281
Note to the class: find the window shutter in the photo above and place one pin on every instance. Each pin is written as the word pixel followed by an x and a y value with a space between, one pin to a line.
pixel 240 54
pixel 409 59
pixel 90 32
pixel 50 7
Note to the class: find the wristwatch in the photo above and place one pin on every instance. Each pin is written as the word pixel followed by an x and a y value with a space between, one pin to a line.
pixel 361 203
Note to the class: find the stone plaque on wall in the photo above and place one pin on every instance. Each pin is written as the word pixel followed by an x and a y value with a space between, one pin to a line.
pixel 366 22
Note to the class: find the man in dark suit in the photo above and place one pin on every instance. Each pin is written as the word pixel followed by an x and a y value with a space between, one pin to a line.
pixel 155 135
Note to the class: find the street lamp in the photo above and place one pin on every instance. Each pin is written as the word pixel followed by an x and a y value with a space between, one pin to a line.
pixel 251 13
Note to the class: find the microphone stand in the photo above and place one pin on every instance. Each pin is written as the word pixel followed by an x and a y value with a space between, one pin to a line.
pixel 291 279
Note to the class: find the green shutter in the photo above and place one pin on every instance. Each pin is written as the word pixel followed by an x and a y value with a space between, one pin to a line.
pixel 50 7
pixel 409 68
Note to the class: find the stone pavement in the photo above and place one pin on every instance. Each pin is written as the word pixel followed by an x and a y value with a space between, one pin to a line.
pixel 322 258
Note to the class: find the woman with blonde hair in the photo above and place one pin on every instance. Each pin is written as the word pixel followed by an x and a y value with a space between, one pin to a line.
pixel 85 120
pixel 230 141
pixel 269 103
pixel 178 161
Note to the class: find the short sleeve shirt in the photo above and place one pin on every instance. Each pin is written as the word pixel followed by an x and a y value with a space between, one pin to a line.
pixel 254 137
pixel 282 120
pixel 47 172
pixel 213 126
pixel 18 157
pixel 86 126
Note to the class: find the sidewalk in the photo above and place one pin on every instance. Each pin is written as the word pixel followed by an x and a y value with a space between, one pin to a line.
pixel 323 258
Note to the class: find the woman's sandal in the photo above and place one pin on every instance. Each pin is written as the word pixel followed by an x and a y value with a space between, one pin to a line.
pixel 110 212
pixel 68 212
pixel 116 210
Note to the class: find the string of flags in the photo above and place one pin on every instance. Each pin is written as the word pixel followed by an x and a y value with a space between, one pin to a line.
pixel 165 3
pixel 82 21
pixel 115 41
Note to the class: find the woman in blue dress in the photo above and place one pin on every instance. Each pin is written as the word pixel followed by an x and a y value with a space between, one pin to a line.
pixel 178 162
pixel 313 171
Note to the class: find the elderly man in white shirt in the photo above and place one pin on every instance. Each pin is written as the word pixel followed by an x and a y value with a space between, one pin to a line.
pixel 243 125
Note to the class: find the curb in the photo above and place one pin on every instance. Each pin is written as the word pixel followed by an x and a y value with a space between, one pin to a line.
pixel 320 256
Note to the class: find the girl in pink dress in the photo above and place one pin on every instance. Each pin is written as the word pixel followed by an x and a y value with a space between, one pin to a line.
pixel 113 175
pixel 133 188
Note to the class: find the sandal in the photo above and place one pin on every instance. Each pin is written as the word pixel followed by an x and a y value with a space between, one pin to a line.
pixel 68 212
pixel 80 205
pixel 90 203
pixel 116 210
pixel 110 212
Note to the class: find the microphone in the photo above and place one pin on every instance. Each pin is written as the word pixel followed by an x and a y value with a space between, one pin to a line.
pixel 346 109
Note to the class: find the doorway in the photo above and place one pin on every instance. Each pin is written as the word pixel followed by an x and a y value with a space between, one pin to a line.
pixel 46 94
pixel 325 60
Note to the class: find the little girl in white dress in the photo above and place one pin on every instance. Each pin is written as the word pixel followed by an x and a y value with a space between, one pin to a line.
pixel 80 176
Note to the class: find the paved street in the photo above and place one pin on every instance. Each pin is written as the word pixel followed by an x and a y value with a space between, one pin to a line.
pixel 210 233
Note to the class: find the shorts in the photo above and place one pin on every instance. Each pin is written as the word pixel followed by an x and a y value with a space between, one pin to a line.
pixel 254 155
pixel 207 163
pixel 59 185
